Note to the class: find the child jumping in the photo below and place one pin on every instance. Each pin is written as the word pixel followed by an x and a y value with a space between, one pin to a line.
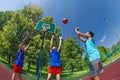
pixel 55 62
pixel 93 53
pixel 18 63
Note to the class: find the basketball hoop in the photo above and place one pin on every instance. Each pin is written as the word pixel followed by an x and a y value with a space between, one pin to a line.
pixel 44 29
pixel 45 26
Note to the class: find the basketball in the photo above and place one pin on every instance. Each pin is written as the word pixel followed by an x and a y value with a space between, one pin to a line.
pixel 65 20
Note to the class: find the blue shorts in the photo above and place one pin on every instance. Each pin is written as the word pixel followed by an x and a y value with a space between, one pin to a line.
pixel 96 67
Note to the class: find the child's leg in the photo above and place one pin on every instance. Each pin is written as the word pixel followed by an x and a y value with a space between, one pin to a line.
pixel 49 76
pixel 20 76
pixel 13 76
pixel 96 78
pixel 95 69
pixel 58 76
pixel 91 78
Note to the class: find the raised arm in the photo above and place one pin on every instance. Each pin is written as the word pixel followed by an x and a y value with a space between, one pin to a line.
pixel 79 33
pixel 28 45
pixel 82 39
pixel 60 43
pixel 23 41
pixel 51 42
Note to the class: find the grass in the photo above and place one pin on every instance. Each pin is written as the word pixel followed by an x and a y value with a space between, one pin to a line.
pixel 4 63
pixel 115 56
pixel 112 58
pixel 65 76
pixel 76 75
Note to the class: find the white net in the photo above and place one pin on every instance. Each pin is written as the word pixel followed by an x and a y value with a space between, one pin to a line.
pixel 45 29
pixel 45 26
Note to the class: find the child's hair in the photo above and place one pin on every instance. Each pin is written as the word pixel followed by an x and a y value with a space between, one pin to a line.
pixel 54 46
pixel 91 33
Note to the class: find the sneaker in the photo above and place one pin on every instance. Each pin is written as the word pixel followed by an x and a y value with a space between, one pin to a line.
pixel 101 71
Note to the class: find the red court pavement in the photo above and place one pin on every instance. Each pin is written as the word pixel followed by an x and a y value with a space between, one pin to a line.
pixel 5 74
pixel 110 73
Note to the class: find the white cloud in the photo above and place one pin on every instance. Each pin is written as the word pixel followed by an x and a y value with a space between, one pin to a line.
pixel 103 39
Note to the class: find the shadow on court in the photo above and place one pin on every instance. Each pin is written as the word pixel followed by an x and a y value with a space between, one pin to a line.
pixel 111 72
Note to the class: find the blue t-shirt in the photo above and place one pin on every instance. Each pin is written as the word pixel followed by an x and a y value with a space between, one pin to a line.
pixel 55 58
pixel 19 58
pixel 92 50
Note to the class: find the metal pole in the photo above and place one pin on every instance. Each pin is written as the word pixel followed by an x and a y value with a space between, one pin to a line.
pixel 40 57
pixel 69 68
pixel 111 26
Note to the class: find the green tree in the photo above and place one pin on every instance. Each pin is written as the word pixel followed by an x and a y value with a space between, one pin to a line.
pixel 70 53
pixel 46 48
pixel 15 28
pixel 32 55
pixel 103 52
pixel 34 51
pixel 33 12
pixel 1 19
pixel 48 19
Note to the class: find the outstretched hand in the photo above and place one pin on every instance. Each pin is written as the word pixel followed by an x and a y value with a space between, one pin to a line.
pixel 23 41
pixel 77 29
pixel 60 43
pixel 60 37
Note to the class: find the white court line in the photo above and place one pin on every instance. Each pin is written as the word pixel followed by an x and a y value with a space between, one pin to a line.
pixel 116 78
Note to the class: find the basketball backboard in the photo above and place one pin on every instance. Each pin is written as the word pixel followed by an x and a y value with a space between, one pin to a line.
pixel 45 25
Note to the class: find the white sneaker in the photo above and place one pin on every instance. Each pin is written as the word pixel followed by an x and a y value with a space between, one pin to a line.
pixel 101 71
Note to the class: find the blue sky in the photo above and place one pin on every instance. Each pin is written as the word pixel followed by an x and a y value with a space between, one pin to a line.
pixel 87 14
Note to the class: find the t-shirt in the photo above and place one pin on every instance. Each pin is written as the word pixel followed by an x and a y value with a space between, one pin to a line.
pixel 92 50
pixel 19 58
pixel 55 58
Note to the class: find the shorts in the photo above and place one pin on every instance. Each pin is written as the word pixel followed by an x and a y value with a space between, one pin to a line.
pixel 96 67
pixel 55 70
pixel 17 69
